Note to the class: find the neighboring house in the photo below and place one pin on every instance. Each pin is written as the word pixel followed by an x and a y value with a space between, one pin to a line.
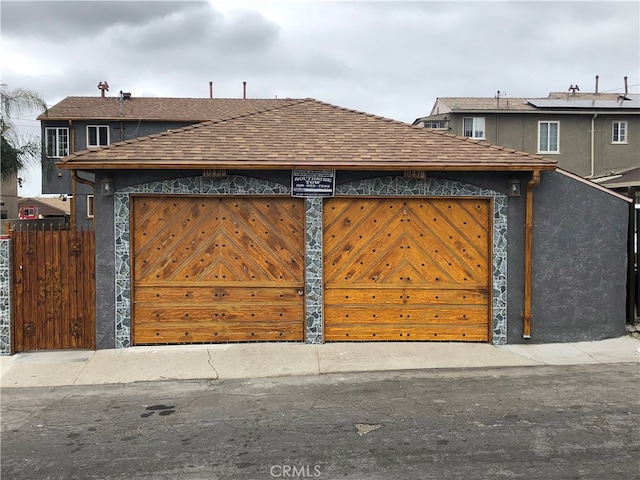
pixel 9 198
pixel 79 123
pixel 44 207
pixel 304 221
pixel 589 134
pixel 626 182
pixel 38 213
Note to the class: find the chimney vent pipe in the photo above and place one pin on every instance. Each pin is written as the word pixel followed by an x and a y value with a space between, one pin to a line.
pixel 597 77
pixel 626 87
pixel 210 89
pixel 244 90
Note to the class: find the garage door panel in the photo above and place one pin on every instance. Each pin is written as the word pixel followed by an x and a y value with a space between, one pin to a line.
pixel 427 267
pixel 282 313
pixel 445 258
pixel 369 294
pixel 197 293
pixel 397 333
pixel 342 216
pixel 274 223
pixel 206 261
pixel 443 266
pixel 465 218
pixel 348 227
pixel 222 332
pixel 454 221
pixel 356 266
pixel 383 316
pixel 155 248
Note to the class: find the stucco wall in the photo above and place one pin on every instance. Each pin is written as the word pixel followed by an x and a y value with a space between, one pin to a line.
pixel 579 263
pixel 520 131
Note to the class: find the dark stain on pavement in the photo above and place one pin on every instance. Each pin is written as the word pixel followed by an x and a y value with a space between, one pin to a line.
pixel 163 410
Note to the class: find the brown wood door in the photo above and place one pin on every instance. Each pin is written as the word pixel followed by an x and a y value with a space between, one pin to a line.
pixel 407 269
pixel 53 290
pixel 217 269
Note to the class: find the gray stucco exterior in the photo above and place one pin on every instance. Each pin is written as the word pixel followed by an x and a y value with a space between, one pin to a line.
pixel 59 181
pixel 580 262
pixel 579 250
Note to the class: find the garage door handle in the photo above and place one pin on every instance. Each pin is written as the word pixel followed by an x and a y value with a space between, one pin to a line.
pixel 301 292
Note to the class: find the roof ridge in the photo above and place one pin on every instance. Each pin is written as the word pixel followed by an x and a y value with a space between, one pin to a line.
pixel 367 114
pixel 292 101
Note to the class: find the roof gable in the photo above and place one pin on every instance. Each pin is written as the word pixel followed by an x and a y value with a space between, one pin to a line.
pixel 305 134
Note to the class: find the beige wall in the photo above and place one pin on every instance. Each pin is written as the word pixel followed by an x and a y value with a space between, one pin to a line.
pixel 520 132
pixel 9 195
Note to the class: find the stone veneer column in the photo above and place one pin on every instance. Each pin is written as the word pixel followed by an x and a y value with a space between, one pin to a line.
pixel 313 270
pixel 5 296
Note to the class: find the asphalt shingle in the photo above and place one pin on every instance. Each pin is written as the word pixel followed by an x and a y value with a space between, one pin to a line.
pixel 306 134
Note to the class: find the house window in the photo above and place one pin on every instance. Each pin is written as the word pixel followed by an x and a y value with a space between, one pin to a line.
pixel 548 137
pixel 97 135
pixel 433 124
pixel 57 142
pixel 619 132
pixel 90 206
pixel 473 127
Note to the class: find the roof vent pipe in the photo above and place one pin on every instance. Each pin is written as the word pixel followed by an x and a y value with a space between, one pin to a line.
pixel 244 90
pixel 597 77
pixel 103 86
pixel 210 89
pixel 626 87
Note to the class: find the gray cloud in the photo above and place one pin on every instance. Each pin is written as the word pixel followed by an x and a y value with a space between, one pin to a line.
pixel 389 58
pixel 72 19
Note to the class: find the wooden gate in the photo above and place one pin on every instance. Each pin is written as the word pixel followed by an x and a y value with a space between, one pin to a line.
pixel 217 269
pixel 53 289
pixel 407 269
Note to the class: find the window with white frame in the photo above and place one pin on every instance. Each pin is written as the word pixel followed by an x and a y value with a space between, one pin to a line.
pixel 433 124
pixel 473 127
pixel 548 137
pixel 90 206
pixel 619 132
pixel 97 135
pixel 57 141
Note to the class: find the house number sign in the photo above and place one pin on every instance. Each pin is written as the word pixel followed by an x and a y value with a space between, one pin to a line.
pixel 313 183
pixel 214 173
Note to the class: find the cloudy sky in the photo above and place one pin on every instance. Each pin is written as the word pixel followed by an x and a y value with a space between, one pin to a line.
pixel 388 58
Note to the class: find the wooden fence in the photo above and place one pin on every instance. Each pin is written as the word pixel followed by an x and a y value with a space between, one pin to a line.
pixel 53 294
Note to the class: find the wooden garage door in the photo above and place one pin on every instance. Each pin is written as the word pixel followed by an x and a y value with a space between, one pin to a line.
pixel 213 269
pixel 407 269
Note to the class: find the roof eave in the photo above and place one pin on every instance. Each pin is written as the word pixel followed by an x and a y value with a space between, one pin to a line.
pixel 252 165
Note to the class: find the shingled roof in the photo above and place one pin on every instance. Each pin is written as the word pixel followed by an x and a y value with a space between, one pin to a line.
pixel 307 133
pixel 156 109
pixel 514 104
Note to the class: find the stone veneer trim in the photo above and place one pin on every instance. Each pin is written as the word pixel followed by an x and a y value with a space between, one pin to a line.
pixel 5 296
pixel 239 185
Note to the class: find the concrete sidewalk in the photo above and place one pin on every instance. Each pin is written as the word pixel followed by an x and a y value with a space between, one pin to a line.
pixel 253 360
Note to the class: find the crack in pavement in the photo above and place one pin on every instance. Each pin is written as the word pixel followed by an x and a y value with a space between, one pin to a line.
pixel 211 365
